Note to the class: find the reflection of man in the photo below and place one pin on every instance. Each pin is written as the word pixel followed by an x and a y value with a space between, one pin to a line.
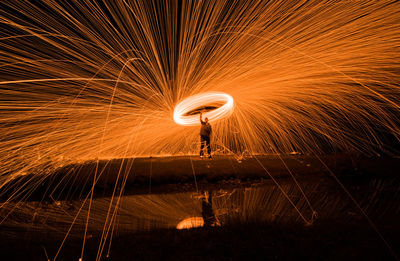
pixel 207 210
pixel 205 133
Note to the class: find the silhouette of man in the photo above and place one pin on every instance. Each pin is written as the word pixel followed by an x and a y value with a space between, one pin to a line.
pixel 205 133
pixel 207 210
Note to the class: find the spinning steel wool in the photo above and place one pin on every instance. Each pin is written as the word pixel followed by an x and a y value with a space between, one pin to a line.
pixel 94 80
pixel 195 102
pixel 102 79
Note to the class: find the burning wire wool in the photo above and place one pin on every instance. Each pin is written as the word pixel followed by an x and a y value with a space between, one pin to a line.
pixel 101 79
pixel 193 103
pixel 111 79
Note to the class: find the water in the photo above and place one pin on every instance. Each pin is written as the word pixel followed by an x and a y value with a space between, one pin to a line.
pixel 259 202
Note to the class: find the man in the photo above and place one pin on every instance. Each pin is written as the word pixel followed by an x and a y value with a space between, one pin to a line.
pixel 205 133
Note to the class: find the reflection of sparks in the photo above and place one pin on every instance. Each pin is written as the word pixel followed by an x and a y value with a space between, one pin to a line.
pixel 197 101
pixel 191 222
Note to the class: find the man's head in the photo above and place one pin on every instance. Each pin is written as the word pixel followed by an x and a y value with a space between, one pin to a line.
pixel 206 119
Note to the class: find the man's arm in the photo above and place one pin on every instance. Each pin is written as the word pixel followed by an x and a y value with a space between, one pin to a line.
pixel 201 118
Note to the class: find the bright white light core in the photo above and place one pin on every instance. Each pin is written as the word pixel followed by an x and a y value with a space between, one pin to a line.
pixel 201 100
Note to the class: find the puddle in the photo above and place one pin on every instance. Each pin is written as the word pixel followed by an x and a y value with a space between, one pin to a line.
pixel 207 208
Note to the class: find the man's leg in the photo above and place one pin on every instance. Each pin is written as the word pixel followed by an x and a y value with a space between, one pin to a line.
pixel 201 146
pixel 208 146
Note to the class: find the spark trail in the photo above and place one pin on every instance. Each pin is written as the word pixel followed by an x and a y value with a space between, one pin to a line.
pixel 304 75
pixel 101 79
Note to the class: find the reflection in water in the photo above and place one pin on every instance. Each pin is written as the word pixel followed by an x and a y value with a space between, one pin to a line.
pixel 191 222
pixel 207 219
pixel 207 210
pixel 211 208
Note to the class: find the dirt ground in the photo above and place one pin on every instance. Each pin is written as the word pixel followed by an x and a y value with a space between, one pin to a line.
pixel 188 173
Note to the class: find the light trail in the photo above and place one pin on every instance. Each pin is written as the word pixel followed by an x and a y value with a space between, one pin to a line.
pixel 202 100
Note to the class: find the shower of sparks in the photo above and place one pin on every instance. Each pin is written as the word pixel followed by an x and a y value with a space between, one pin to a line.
pixel 99 79
pixel 102 79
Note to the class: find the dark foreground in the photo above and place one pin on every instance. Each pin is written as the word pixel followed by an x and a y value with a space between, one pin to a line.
pixel 257 221
pixel 328 240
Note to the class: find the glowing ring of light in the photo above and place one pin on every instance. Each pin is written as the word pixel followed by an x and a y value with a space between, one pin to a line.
pixel 196 101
